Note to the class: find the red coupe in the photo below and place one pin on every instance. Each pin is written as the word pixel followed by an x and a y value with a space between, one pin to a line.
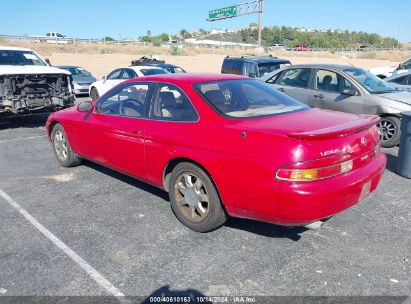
pixel 225 145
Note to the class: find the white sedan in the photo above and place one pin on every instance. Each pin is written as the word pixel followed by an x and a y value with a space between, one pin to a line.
pixel 119 75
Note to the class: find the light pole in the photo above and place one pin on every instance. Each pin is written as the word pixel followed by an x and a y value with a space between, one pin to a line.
pixel 260 13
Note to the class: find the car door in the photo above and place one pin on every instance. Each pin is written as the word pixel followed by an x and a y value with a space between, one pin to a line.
pixel 114 133
pixel 334 92
pixel 295 82
pixel 172 125
pixel 112 79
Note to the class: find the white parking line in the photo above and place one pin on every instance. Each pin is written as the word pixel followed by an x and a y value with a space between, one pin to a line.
pixel 21 138
pixel 102 281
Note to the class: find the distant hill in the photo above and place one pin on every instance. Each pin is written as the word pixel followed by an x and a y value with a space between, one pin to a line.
pixel 291 37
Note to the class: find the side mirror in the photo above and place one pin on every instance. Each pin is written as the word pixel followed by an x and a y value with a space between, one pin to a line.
pixel 104 78
pixel 85 106
pixel 47 61
pixel 349 92
pixel 401 67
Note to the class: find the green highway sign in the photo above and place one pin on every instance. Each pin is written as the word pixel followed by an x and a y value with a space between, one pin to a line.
pixel 225 12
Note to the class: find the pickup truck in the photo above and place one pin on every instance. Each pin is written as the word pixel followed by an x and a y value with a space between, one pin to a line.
pixel 54 38
pixel 29 85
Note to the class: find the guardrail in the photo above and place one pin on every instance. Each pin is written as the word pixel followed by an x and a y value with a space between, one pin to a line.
pixel 217 44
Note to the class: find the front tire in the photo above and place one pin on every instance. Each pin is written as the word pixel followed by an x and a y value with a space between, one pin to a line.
pixel 390 131
pixel 194 198
pixel 61 147
pixel 94 94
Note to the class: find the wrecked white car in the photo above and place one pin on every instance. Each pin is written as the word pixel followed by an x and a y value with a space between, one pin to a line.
pixel 29 85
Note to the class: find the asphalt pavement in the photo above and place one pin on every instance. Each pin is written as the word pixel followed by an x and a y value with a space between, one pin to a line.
pixel 113 231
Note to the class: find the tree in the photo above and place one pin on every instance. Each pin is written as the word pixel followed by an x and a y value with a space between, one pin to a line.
pixel 164 37
pixel 108 38
pixel 183 33
pixel 148 33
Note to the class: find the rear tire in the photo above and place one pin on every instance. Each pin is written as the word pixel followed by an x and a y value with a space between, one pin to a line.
pixel 61 147
pixel 390 131
pixel 194 198
pixel 94 94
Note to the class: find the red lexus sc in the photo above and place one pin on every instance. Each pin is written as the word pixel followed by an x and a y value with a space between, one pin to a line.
pixel 225 145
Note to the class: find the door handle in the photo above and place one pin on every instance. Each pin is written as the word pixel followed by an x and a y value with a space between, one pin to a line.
pixel 319 96
pixel 136 133
pixel 281 89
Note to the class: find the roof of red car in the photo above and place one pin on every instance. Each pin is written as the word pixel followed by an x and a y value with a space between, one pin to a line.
pixel 190 78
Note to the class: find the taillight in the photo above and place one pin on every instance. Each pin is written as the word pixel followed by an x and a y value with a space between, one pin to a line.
pixel 315 170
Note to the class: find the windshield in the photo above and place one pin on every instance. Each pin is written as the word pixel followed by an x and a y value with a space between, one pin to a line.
pixel 268 67
pixel 369 81
pixel 77 71
pixel 247 98
pixel 12 57
pixel 148 72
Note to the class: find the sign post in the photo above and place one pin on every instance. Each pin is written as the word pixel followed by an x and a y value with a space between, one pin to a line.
pixel 253 7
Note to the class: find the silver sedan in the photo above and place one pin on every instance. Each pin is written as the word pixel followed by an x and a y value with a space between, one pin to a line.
pixel 346 89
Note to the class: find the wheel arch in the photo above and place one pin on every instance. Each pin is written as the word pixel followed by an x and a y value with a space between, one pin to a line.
pixel 53 123
pixel 168 169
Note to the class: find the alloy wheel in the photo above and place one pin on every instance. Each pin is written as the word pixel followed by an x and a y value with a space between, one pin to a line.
pixel 192 197
pixel 387 129
pixel 60 145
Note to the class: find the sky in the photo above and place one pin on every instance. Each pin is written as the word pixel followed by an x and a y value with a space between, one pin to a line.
pixel 132 18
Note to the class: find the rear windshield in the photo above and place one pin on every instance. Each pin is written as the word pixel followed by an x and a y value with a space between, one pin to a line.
pixel 77 71
pixel 147 72
pixel 247 98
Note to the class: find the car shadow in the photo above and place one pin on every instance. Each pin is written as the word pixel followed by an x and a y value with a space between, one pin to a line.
pixel 253 226
pixel 28 121
pixel 128 179
pixel 266 229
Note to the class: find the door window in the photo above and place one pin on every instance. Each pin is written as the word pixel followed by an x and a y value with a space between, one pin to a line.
pixel 128 100
pixel 331 82
pixel 170 103
pixel 407 64
pixel 114 75
pixel 273 79
pixel 295 78
pixel 128 74
pixel 401 80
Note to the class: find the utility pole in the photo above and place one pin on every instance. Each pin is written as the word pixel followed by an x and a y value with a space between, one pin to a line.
pixel 260 13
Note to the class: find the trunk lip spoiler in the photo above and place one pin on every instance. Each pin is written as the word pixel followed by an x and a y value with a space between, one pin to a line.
pixel 341 130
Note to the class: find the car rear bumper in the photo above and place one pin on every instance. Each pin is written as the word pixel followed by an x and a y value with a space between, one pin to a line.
pixel 298 204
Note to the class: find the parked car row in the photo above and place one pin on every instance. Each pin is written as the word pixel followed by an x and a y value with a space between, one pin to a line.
pixel 346 89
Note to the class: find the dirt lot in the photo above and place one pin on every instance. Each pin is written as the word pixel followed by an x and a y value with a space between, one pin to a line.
pixel 101 64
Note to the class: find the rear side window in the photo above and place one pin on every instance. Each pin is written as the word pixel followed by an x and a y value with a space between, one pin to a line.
pixel 247 98
pixel 170 103
pixel 331 82
pixel 295 78
pixel 233 67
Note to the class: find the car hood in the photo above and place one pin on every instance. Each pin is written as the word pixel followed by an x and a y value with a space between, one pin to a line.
pixel 84 79
pixel 30 69
pixel 402 96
